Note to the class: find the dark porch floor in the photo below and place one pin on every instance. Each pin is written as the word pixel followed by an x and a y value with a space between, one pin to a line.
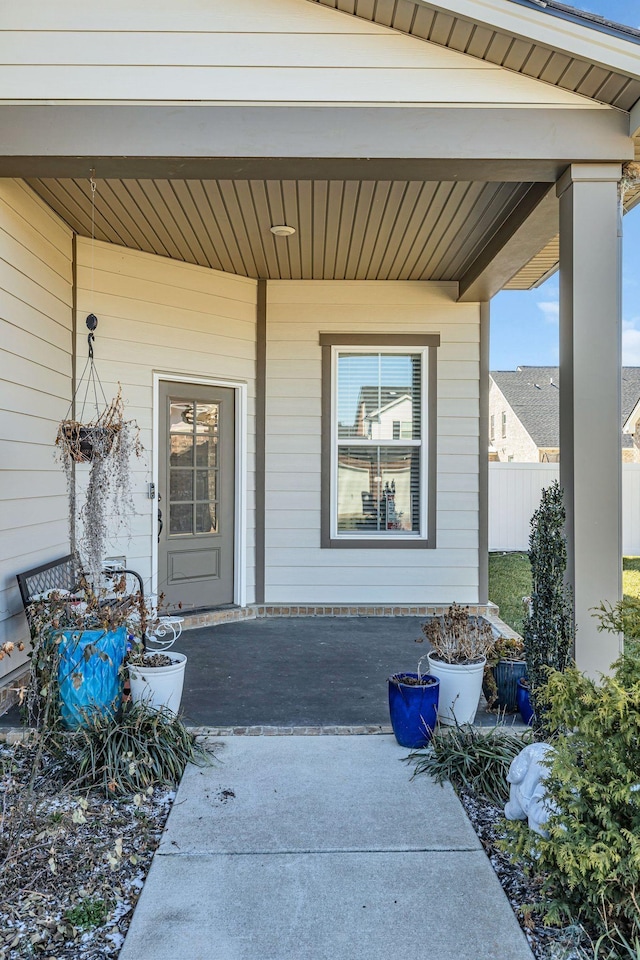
pixel 298 671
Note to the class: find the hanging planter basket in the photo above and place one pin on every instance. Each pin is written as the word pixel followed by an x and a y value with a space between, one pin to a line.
pixel 105 441
pixel 86 442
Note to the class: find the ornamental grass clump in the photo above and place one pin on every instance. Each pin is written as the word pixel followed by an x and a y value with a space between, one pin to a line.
pixel 472 761
pixel 134 753
pixel 589 865
pixel 457 637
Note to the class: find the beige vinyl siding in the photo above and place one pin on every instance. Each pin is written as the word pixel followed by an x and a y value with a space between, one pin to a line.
pixel 297 569
pixel 247 51
pixel 35 393
pixel 159 315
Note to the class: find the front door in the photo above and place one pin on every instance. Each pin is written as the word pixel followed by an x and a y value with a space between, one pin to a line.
pixel 196 486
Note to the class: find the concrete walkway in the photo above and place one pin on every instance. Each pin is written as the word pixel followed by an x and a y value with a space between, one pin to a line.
pixel 319 848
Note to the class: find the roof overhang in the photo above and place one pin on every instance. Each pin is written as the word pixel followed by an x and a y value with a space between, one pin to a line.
pixel 511 151
pixel 630 423
pixel 545 39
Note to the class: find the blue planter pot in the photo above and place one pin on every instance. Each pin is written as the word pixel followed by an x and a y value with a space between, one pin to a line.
pixel 90 684
pixel 506 674
pixel 413 709
pixel 524 703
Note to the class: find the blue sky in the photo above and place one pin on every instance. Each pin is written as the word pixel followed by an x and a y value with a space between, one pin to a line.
pixel 524 325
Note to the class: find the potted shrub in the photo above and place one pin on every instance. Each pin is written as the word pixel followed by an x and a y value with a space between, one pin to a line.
pixel 79 642
pixel 459 647
pixel 505 666
pixel 549 630
pixel 413 707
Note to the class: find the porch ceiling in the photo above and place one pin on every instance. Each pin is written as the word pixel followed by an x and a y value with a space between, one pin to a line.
pixel 345 229
pixel 434 23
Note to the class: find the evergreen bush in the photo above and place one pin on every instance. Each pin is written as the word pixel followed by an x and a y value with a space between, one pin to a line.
pixel 549 630
pixel 590 862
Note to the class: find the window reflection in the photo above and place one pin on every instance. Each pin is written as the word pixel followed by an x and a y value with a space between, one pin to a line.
pixel 378 489
pixel 193 459
pixel 379 396
pixel 181 518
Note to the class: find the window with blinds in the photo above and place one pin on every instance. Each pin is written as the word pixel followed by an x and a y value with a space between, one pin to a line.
pixel 378 443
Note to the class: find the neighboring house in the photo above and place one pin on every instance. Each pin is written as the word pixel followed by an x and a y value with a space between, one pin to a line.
pixel 427 155
pixel 524 422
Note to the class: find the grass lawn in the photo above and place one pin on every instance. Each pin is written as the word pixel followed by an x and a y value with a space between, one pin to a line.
pixel 510 581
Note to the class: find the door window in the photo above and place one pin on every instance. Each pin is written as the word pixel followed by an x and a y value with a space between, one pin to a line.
pixel 194 434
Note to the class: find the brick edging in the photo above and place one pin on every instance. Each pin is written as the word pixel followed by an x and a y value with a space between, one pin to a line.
pixel 369 729
pixel 211 618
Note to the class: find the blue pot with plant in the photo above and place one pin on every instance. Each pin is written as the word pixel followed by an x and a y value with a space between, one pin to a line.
pixel 89 675
pixel 413 707
pixel 523 701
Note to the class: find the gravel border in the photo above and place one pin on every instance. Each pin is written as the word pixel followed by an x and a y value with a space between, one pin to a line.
pixel 546 942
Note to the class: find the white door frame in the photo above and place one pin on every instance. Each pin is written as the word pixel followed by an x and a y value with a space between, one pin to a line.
pixel 240 519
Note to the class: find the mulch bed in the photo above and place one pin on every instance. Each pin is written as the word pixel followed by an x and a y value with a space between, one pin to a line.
pixel 72 864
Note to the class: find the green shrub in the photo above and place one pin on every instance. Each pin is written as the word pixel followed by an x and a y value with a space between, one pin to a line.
pixel 623 618
pixel 471 760
pixel 549 629
pixel 590 863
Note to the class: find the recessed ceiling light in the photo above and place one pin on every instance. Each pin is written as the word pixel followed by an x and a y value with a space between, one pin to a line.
pixel 281 230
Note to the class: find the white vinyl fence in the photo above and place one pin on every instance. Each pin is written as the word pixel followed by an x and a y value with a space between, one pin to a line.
pixel 514 494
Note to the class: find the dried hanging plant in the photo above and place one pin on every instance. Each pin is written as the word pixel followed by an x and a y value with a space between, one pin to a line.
pixel 92 440
pixel 107 443
pixel 108 497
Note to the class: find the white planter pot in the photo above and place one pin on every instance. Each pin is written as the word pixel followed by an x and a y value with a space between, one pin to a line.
pixel 460 689
pixel 159 686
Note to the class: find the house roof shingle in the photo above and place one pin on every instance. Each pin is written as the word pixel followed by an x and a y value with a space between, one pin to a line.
pixel 584 17
pixel 533 395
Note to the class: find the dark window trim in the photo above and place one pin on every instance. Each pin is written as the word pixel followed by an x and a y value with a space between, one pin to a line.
pixel 329 340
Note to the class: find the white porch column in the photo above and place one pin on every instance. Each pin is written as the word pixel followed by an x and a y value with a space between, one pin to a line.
pixel 590 378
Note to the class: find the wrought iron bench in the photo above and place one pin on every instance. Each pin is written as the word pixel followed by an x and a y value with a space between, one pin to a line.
pixel 64 574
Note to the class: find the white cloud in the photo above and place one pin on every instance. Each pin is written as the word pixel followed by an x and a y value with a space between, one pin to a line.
pixel 550 310
pixel 631 342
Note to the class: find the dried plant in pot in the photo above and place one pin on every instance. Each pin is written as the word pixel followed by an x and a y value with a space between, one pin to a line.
pixel 96 453
pixel 505 666
pixel 79 641
pixel 156 677
pixel 460 644
pixel 413 707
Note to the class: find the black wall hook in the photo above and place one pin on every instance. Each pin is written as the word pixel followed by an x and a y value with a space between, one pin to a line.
pixel 92 323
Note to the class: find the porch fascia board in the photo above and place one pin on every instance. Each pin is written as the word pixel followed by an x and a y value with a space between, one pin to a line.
pixel 634 117
pixel 566 36
pixel 528 230
pixel 146 141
